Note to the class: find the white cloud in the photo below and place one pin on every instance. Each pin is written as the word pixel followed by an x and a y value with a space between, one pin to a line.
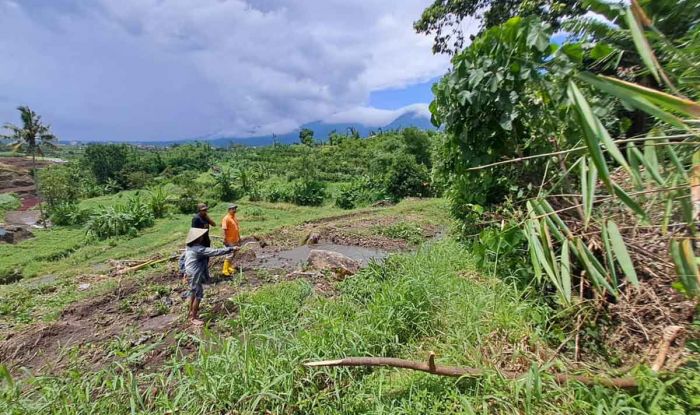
pixel 374 117
pixel 154 69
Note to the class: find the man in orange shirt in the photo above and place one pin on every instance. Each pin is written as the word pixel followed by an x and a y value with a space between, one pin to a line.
pixel 232 236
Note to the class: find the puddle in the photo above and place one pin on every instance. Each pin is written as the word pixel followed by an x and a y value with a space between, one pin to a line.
pixel 293 257
pixel 23 217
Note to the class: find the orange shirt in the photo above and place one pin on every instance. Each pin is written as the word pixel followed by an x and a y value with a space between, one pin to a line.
pixel 231 230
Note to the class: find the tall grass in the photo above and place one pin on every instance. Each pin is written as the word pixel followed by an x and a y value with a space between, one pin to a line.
pixel 430 300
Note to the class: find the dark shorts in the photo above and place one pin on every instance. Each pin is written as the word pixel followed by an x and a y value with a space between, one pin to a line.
pixel 196 289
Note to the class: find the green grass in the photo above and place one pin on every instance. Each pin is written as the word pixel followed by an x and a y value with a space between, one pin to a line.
pixel 430 300
pixel 67 253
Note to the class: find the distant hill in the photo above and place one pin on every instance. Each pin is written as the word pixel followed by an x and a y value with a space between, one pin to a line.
pixel 321 131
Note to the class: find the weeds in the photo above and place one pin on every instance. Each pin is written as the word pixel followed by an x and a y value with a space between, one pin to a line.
pixel 411 304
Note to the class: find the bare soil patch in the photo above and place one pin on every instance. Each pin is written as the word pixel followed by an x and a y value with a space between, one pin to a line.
pixel 149 313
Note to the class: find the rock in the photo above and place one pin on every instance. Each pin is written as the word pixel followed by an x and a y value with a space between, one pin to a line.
pixel 383 203
pixel 312 238
pixel 311 275
pixel 13 234
pixel 341 265
pixel 83 287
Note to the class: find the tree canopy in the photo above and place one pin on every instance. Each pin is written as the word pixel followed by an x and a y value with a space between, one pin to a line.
pixel 443 19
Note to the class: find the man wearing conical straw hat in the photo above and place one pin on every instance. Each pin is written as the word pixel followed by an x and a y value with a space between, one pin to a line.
pixel 197 268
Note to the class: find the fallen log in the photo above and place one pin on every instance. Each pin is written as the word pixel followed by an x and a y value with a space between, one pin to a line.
pixel 455 371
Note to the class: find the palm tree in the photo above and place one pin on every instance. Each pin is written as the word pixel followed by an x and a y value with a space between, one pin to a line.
pixel 32 136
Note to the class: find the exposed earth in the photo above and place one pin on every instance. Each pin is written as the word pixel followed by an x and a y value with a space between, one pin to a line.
pixel 146 310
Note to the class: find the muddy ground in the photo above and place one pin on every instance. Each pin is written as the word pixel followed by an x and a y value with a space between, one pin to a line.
pixel 148 314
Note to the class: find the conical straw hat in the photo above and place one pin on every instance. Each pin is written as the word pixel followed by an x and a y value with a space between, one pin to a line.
pixel 194 234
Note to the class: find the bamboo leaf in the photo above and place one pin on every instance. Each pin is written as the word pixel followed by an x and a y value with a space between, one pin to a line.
pixel 542 258
pixel 537 269
pixel 651 171
pixel 668 207
pixel 676 160
pixel 651 158
pixel 630 203
pixel 609 255
pixel 588 261
pixel 695 187
pixel 686 266
pixel 565 272
pixel 591 134
pixel 549 247
pixel 634 166
pixel 634 98
pixel 642 45
pixel 662 99
pixel 589 178
pixel 585 196
pixel 621 253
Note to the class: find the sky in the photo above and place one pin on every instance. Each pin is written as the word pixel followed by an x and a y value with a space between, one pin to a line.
pixel 179 69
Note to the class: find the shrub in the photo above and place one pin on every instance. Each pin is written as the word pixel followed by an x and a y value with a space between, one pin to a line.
pixel 187 203
pixel 120 219
pixel 255 193
pixel 308 192
pixel 66 214
pixel 158 201
pixel 8 201
pixel 277 191
pixel 360 192
pixel 59 185
pixel 105 161
pixel 406 177
pixel 347 197
pixel 138 179
pixel 226 189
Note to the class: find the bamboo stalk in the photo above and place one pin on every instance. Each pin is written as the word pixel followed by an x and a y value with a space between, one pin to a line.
pixel 457 371
pixel 575 149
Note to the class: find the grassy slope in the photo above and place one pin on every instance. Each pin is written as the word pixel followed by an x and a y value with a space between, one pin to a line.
pixel 67 254
pixel 430 300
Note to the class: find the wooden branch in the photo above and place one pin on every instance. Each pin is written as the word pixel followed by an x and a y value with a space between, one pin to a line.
pixel 400 363
pixel 455 371
pixel 670 334
pixel 145 264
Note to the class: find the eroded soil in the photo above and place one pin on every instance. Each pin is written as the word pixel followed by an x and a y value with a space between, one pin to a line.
pixel 142 322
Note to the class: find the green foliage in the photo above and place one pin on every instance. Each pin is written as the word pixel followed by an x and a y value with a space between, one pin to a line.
pixel 120 219
pixel 59 185
pixel 106 161
pixel 189 157
pixel 276 191
pixel 226 188
pixel 306 137
pixel 347 197
pixel 68 213
pixel 443 17
pixel 33 136
pixel 158 201
pixel 8 201
pixel 408 231
pixel 405 177
pixel 307 192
